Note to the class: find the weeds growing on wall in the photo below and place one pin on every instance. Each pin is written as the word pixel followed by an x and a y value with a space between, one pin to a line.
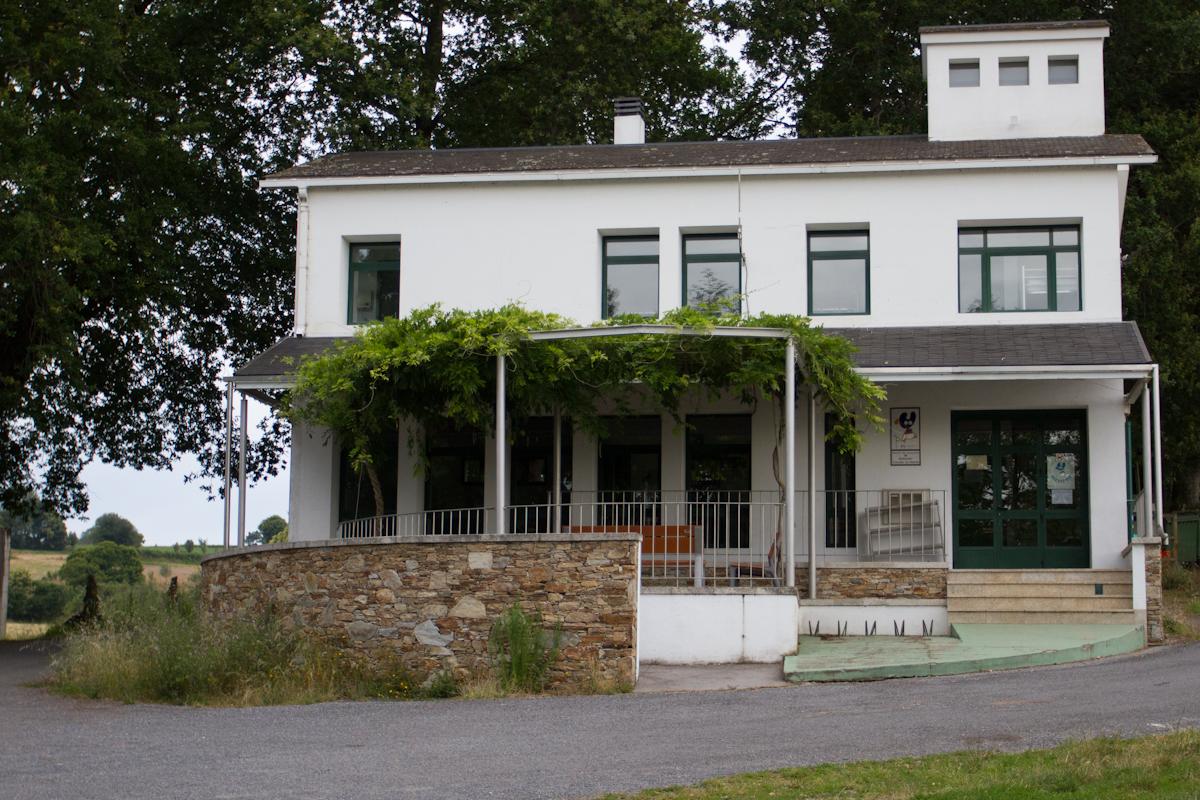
pixel 149 649
pixel 522 650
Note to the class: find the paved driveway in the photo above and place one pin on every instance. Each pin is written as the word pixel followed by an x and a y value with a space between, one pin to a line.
pixel 561 747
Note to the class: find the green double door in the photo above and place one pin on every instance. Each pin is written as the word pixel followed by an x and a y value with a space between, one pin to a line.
pixel 1020 490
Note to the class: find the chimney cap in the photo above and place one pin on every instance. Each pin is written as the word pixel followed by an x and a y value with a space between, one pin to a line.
pixel 627 106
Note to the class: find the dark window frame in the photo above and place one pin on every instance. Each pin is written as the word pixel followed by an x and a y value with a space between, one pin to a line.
pixel 712 258
pixel 840 255
pixel 352 269
pixel 1051 252
pixel 606 260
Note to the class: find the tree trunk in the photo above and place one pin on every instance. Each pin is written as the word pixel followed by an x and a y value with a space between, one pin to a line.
pixel 377 492
pixel 433 14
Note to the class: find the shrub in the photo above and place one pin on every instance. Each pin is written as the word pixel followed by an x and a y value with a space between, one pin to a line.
pixel 108 561
pixel 1175 576
pixel 41 600
pixel 522 651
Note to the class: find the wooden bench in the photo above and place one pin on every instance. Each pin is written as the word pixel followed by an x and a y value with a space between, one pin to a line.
pixel 663 546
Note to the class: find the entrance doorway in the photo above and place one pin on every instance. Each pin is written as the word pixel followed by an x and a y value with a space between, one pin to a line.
pixel 1020 490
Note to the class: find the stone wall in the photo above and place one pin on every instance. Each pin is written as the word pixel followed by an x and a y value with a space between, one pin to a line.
pixel 854 582
pixel 430 601
pixel 1154 593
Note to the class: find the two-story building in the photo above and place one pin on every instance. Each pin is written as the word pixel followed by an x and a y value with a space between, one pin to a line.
pixel 976 268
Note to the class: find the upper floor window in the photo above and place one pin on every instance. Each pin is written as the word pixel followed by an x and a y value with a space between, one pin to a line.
pixel 839 272
pixel 1014 72
pixel 1063 69
pixel 964 72
pixel 374 281
pixel 1019 269
pixel 712 271
pixel 630 279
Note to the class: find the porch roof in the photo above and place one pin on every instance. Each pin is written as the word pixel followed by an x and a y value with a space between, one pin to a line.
pixel 880 350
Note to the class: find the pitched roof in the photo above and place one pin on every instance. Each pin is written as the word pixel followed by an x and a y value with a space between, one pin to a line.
pixel 1051 345
pixel 1064 344
pixel 773 152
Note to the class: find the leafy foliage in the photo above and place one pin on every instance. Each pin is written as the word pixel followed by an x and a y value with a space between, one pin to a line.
pixel 112 527
pixel 438 366
pixel 522 650
pixel 109 562
pixel 267 530
pixel 41 600
pixel 36 527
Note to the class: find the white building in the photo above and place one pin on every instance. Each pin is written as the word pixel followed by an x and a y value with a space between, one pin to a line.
pixel 978 270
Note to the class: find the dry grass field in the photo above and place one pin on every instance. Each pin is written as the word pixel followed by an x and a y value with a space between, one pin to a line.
pixel 39 563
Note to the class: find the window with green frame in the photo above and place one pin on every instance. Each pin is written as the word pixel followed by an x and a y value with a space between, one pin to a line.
pixel 374 282
pixel 630 276
pixel 712 271
pixel 839 272
pixel 1019 269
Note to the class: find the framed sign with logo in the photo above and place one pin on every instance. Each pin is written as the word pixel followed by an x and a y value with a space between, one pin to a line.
pixel 905 426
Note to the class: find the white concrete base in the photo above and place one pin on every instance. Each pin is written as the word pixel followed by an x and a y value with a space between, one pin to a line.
pixel 716 627
pixel 883 617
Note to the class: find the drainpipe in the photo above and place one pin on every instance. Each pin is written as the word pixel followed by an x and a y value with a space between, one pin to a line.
pixel 300 316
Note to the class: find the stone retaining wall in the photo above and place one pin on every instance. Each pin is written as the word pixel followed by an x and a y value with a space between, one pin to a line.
pixel 430 601
pixel 860 581
pixel 1154 593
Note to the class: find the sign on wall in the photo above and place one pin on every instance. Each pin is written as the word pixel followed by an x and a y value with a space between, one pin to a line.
pixel 906 437
pixel 1060 478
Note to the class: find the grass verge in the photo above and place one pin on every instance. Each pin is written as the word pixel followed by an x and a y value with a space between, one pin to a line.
pixel 1165 767
pixel 25 631
pixel 1181 602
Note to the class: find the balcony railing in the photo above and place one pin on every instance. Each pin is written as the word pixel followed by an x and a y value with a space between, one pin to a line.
pixel 716 537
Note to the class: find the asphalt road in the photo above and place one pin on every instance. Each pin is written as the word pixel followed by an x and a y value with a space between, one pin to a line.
pixel 560 747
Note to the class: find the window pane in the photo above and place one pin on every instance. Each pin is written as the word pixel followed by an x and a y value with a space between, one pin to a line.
pixel 1064 533
pixel 970 283
pixel 374 294
pixel 701 245
pixel 1020 487
pixel 1067 236
pixel 1014 72
pixel 632 289
pixel 973 433
pixel 1066 276
pixel 1020 533
pixel 631 247
pixel 383 255
pixel 1064 69
pixel 1019 283
pixel 975 533
pixel 831 242
pixel 964 73
pixel 970 239
pixel 974 481
pixel 839 286
pixel 1003 238
pixel 711 283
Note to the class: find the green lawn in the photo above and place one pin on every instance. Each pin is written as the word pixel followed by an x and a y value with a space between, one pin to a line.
pixel 1161 767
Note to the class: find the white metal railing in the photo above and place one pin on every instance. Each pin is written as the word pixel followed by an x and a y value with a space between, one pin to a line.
pixel 717 537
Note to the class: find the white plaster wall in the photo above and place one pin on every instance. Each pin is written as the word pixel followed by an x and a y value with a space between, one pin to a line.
pixel 716 628
pixel 482 245
pixel 312 503
pixel 992 111
pixel 858 619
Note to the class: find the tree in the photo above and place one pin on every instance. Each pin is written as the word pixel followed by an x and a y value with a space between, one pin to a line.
pixel 112 527
pixel 267 530
pixel 109 562
pixel 189 545
pixel 41 600
pixel 35 528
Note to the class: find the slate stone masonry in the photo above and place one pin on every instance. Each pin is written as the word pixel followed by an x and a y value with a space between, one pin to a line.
pixel 430 601
pixel 861 581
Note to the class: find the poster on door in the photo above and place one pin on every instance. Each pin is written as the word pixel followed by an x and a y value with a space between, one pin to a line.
pixel 906 437
pixel 1060 478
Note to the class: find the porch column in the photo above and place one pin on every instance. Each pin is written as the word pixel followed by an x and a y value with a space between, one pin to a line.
pixel 1146 513
pixel 1158 473
pixel 501 449
pixel 812 494
pixel 228 459
pixel 789 480
pixel 241 536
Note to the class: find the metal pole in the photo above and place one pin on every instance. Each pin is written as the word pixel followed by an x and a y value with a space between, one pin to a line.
pixel 812 494
pixel 789 449
pixel 1158 472
pixel 557 471
pixel 1147 510
pixel 5 573
pixel 241 535
pixel 228 459
pixel 501 442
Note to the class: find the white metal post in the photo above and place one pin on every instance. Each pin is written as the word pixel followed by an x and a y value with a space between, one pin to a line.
pixel 5 576
pixel 789 473
pixel 501 449
pixel 1158 473
pixel 812 495
pixel 243 435
pixel 557 526
pixel 1147 511
pixel 228 459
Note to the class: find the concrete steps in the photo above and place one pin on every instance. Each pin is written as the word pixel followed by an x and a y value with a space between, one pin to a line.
pixel 1065 597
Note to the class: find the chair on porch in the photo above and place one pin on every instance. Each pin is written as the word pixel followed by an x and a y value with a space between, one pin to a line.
pixel 668 551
